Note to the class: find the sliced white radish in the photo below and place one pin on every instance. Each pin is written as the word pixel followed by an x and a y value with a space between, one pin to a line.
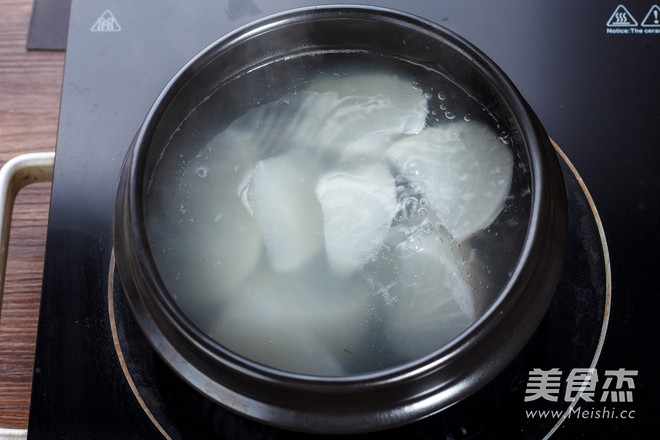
pixel 463 169
pixel 304 322
pixel 430 301
pixel 281 195
pixel 375 102
pixel 346 117
pixel 203 239
pixel 358 207
pixel 369 111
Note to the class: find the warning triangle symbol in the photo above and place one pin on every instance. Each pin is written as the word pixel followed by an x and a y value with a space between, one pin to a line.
pixel 652 19
pixel 621 18
pixel 106 23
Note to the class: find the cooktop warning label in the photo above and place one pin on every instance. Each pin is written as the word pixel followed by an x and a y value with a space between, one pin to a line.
pixel 622 22
pixel 106 23
pixel 621 18
pixel 652 18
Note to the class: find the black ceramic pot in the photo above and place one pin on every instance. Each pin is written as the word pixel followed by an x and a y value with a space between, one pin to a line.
pixel 383 398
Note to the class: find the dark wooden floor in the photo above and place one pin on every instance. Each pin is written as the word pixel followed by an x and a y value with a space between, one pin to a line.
pixel 30 86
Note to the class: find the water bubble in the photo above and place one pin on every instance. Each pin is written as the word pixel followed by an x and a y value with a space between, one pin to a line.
pixel 202 172
pixel 410 205
pixel 419 188
pixel 400 215
pixel 467 117
pixel 449 115
pixel 413 168
pixel 441 96
pixel 427 227
pixel 427 95
pixel 414 244
pixel 422 212
pixel 443 107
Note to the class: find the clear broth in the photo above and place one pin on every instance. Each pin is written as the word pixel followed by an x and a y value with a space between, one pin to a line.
pixel 247 191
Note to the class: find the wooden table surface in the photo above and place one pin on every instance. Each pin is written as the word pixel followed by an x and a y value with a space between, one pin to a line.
pixel 30 86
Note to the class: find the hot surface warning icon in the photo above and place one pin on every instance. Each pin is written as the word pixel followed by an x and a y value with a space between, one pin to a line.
pixel 652 18
pixel 106 23
pixel 621 18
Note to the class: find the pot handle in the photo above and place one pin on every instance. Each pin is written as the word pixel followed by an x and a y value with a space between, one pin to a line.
pixel 14 175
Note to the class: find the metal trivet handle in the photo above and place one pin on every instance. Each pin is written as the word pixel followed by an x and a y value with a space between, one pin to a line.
pixel 13 434
pixel 14 175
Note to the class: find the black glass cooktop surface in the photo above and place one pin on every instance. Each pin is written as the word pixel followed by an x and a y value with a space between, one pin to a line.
pixel 590 72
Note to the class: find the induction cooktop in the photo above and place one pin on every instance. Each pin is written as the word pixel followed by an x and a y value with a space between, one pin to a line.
pixel 590 72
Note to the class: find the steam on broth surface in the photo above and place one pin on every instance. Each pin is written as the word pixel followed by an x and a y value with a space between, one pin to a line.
pixel 360 218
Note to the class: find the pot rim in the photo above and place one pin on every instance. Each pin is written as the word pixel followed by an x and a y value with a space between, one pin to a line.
pixel 162 306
